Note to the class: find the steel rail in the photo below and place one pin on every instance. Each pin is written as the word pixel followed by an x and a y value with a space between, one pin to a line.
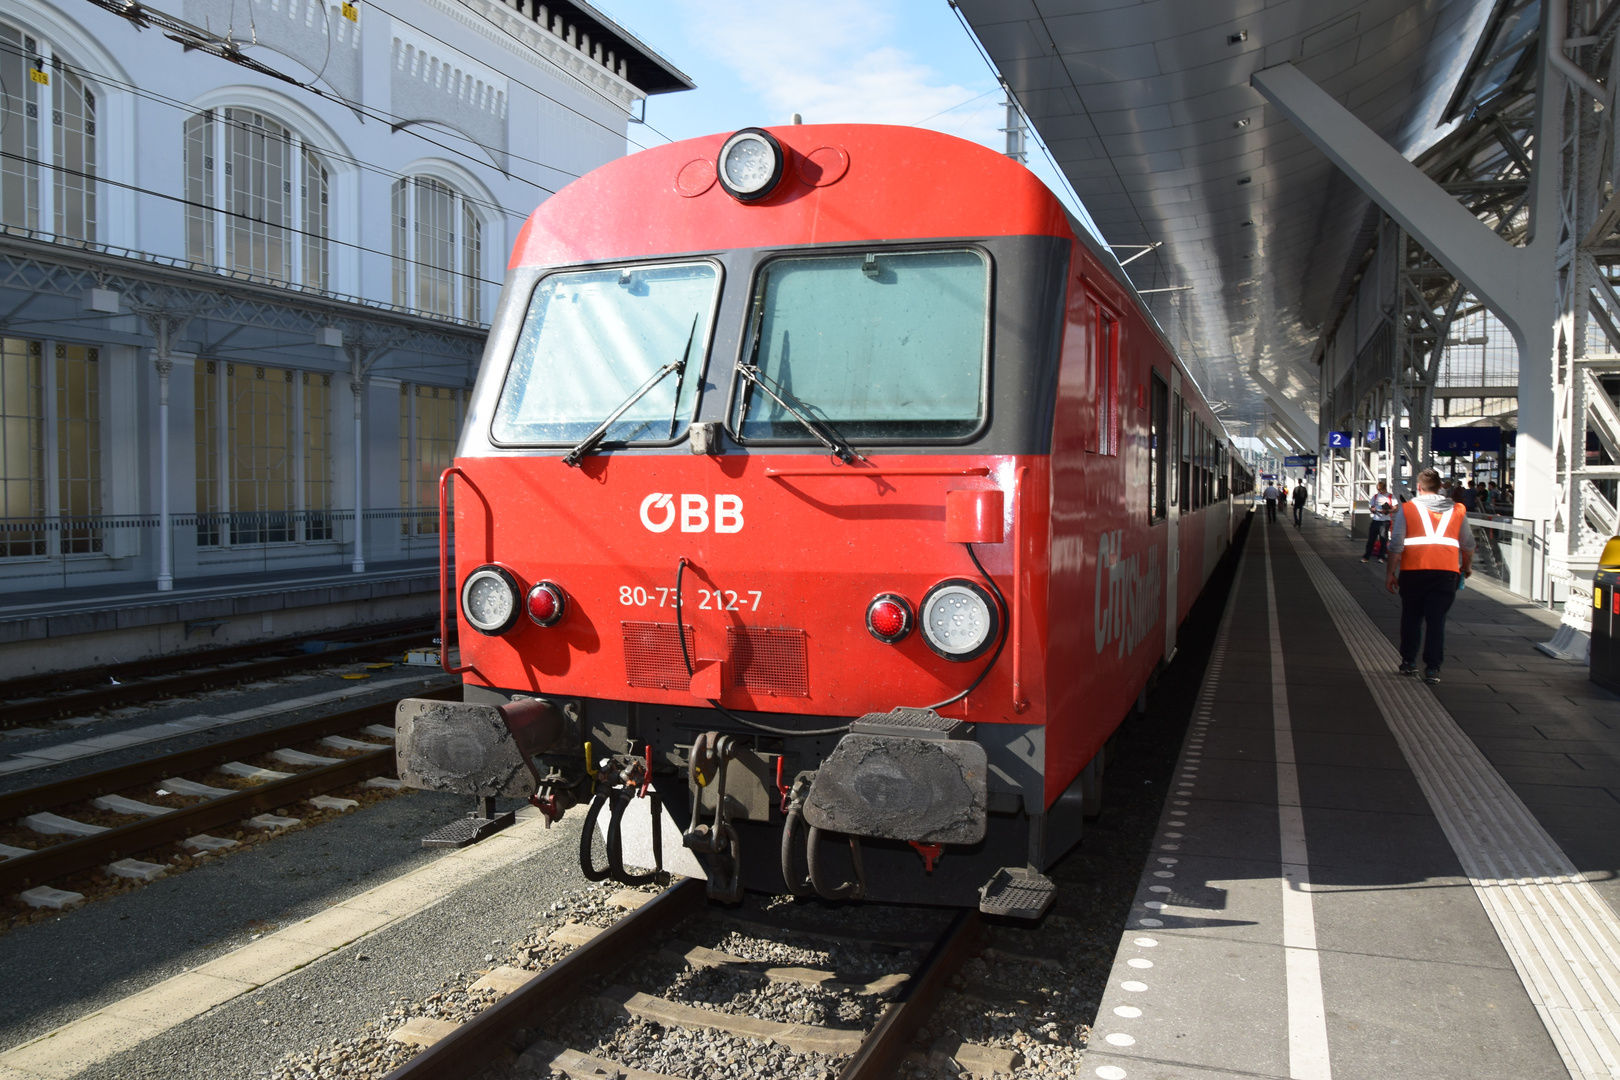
pixel 890 1038
pixel 108 781
pixel 476 1043
pixel 508 1024
pixel 29 685
pixel 26 871
pixel 102 697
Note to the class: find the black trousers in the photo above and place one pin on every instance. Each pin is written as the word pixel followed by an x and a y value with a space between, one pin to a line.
pixel 1271 509
pixel 1376 531
pixel 1426 596
pixel 1299 513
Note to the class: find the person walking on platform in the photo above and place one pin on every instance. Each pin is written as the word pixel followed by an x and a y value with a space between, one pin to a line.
pixel 1380 512
pixel 1434 550
pixel 1272 494
pixel 1301 493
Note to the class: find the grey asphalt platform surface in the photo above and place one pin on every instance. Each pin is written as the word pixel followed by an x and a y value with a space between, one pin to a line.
pixel 65 968
pixel 1414 980
pixel 1552 733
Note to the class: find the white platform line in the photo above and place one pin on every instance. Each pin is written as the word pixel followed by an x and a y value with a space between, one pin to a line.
pixel 1103 1044
pixel 1307 1016
pixel 56 753
pixel 1563 939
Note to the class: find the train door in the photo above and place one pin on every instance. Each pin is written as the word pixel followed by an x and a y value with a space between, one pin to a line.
pixel 1172 544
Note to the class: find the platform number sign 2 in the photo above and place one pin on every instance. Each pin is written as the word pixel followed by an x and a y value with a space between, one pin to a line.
pixel 1340 440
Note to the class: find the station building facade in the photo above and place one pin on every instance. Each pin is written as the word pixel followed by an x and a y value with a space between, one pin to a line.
pixel 241 307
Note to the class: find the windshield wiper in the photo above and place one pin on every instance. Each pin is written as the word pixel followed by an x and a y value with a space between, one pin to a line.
pixel 586 444
pixel 824 432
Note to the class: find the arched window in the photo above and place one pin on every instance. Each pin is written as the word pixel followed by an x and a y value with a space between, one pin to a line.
pixel 257 198
pixel 438 249
pixel 48 135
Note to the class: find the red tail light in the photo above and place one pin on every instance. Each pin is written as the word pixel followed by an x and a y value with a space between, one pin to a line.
pixel 889 618
pixel 546 603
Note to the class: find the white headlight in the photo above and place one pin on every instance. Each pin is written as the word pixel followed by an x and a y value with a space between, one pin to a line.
pixel 959 619
pixel 489 600
pixel 750 164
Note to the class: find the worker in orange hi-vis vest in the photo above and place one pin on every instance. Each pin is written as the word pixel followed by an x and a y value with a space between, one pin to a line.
pixel 1433 550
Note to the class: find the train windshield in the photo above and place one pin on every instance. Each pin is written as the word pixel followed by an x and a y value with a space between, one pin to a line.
pixel 592 338
pixel 879 345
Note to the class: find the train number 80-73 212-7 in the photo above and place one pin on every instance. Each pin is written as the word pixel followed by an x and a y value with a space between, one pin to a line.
pixel 707 599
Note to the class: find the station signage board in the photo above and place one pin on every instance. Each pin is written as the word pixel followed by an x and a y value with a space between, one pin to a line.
pixel 1466 440
pixel 1341 440
pixel 1300 461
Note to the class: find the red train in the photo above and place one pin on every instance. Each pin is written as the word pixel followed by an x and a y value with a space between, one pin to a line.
pixel 826 500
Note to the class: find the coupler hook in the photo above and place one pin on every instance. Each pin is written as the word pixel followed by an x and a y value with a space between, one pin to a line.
pixel 711 753
pixel 929 852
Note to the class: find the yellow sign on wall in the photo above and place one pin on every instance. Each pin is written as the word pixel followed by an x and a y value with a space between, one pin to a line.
pixel 351 12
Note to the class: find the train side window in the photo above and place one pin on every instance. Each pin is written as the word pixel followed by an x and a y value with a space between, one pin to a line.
pixel 1158 449
pixel 1203 464
pixel 1105 380
pixel 1184 456
pixel 1209 466
pixel 1198 464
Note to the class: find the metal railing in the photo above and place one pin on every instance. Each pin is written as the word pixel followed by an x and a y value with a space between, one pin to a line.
pixel 40 552
pixel 226 275
pixel 1513 552
pixel 1510 551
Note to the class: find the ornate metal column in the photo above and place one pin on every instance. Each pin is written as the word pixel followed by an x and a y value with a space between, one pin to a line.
pixel 166 323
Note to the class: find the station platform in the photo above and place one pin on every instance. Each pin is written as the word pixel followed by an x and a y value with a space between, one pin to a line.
pixel 1357 875
pixel 80 626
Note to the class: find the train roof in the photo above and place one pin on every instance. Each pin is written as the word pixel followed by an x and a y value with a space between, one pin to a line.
pixel 679 208
pixel 954 188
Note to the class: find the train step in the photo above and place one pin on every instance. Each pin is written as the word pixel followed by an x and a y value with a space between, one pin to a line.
pixel 1017 893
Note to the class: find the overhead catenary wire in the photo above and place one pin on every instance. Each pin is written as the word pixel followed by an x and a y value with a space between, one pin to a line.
pixel 324 151
pixel 534 89
pixel 233 54
pixel 291 230
pixel 348 159
pixel 1046 152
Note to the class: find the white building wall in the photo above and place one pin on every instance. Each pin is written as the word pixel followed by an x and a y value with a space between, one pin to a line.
pixel 507 113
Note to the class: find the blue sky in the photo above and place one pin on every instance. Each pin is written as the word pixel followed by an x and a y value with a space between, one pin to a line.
pixel 836 61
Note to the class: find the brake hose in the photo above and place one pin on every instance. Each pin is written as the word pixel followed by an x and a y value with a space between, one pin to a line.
pixel 680 632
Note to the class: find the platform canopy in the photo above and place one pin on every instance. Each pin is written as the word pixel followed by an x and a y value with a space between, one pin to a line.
pixel 1147 108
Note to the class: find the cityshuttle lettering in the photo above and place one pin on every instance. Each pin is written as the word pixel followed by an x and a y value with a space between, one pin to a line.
pixel 1127 601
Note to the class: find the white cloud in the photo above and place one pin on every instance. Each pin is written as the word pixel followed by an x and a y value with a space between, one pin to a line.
pixel 837 62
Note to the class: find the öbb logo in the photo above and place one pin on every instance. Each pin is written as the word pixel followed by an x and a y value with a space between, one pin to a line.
pixel 658 513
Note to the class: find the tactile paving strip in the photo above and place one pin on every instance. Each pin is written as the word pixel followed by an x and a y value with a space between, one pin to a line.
pixel 1563 938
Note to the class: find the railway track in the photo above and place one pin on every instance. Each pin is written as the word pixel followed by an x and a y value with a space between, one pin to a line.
pixel 47 697
pixel 104 820
pixel 867 1020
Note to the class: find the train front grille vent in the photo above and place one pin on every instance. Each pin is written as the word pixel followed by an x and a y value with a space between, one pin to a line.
pixel 772 661
pixel 652 656
pixel 768 660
